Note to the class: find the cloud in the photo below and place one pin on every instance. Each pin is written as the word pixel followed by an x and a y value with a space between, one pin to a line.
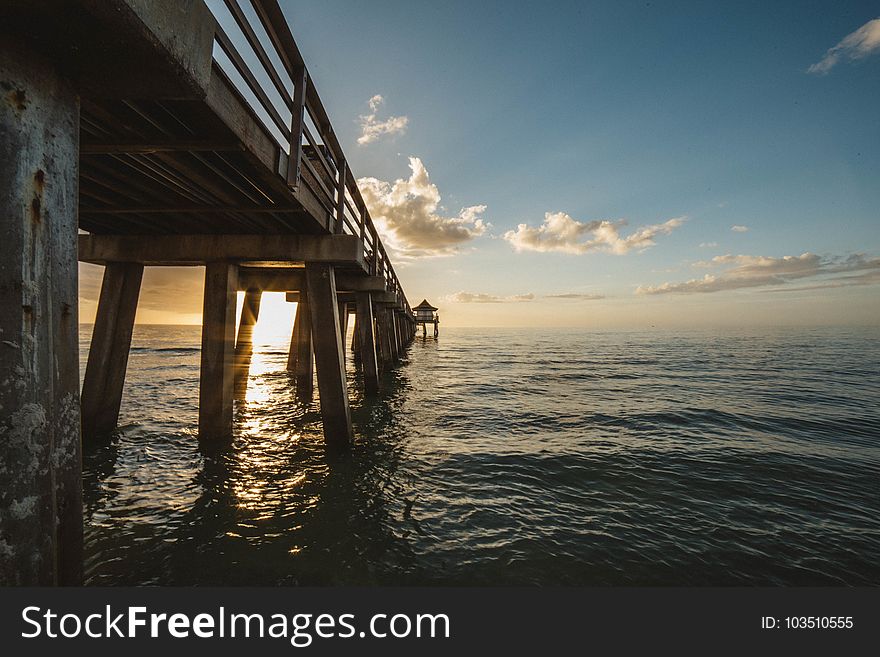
pixel 406 215
pixel 744 271
pixel 575 296
pixel 563 234
pixel 372 128
pixel 739 229
pixel 856 45
pixel 708 245
pixel 478 297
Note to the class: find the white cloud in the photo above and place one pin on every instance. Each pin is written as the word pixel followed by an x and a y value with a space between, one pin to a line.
pixel 744 271
pixel 575 296
pixel 708 245
pixel 856 45
pixel 406 215
pixel 739 229
pixel 480 297
pixel 561 233
pixel 372 128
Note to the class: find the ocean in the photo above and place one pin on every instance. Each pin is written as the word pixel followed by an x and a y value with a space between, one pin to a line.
pixel 496 457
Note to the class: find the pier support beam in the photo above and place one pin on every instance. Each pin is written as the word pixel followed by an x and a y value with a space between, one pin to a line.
pixel 383 344
pixel 343 324
pixel 301 358
pixel 393 336
pixel 355 340
pixel 216 385
pixel 111 342
pixel 244 343
pixel 366 340
pixel 324 312
pixel 40 458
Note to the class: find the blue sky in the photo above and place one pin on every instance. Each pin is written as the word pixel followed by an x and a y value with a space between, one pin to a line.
pixel 673 122
pixel 636 111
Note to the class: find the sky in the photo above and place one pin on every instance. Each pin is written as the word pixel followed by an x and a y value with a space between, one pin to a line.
pixel 603 165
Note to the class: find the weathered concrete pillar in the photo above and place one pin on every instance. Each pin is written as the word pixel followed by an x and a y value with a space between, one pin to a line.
pixel 385 339
pixel 355 340
pixel 343 324
pixel 401 339
pixel 324 312
pixel 244 342
pixel 393 337
pixel 111 342
pixel 301 359
pixel 366 340
pixel 40 455
pixel 216 384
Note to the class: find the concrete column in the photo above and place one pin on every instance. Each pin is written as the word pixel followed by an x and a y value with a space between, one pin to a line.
pixel 335 412
pixel 392 336
pixel 387 338
pixel 216 385
pixel 343 324
pixel 111 342
pixel 40 455
pixel 300 360
pixel 366 340
pixel 355 340
pixel 244 342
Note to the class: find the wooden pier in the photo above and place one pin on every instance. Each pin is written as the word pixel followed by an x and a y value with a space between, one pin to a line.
pixel 138 133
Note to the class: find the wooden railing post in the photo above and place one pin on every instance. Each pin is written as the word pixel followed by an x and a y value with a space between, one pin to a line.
pixel 340 198
pixel 294 169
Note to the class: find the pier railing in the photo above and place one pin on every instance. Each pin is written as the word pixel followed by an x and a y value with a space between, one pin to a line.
pixel 255 49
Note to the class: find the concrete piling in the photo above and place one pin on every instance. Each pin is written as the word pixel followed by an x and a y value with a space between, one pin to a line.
pixel 244 342
pixel 110 345
pixel 366 340
pixel 217 376
pixel 329 359
pixel 40 460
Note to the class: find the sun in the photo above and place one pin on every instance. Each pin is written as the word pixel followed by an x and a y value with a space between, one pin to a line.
pixel 275 322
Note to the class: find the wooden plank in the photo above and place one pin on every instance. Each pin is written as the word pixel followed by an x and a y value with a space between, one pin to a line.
pixel 199 249
pixel 189 209
pixel 108 148
pixel 366 339
pixel 335 412
pixel 289 279
pixel 250 79
pixel 111 342
pixel 254 42
pixel 229 106
pixel 216 385
pixel 244 342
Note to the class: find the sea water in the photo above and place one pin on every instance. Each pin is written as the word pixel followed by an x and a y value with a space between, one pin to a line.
pixel 506 457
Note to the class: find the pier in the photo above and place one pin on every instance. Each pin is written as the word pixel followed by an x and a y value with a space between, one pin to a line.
pixel 138 133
